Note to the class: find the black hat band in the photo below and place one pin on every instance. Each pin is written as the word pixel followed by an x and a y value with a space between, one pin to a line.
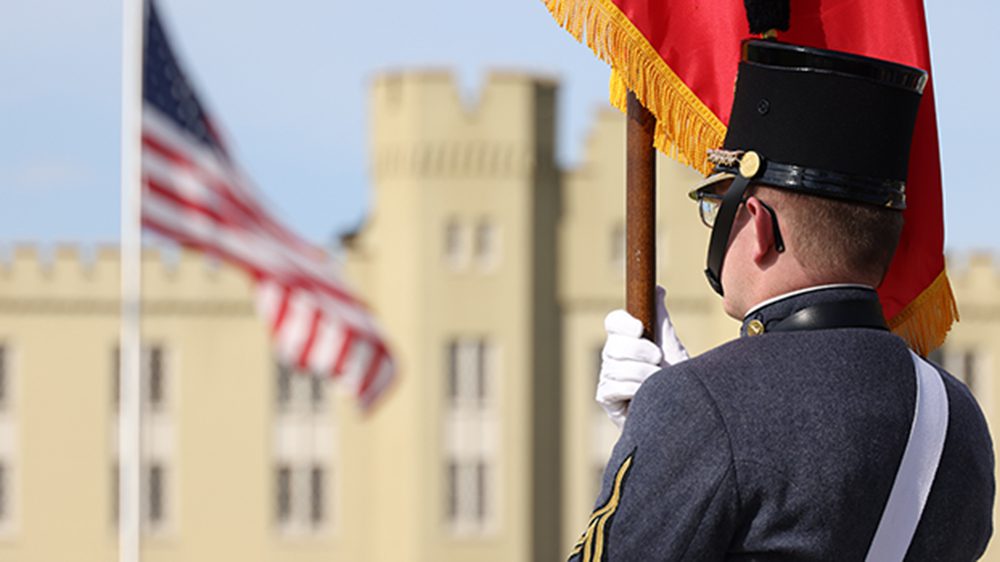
pixel 825 183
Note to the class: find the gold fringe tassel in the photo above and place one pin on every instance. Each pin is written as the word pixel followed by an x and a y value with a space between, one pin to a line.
pixel 925 322
pixel 685 127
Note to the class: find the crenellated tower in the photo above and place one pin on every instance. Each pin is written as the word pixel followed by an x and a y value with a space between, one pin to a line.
pixel 458 258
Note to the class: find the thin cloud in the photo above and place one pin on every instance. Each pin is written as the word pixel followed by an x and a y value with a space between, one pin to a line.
pixel 47 176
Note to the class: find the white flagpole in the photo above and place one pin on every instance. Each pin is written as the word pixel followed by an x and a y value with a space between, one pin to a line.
pixel 130 394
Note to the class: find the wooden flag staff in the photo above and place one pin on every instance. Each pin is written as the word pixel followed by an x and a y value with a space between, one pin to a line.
pixel 640 216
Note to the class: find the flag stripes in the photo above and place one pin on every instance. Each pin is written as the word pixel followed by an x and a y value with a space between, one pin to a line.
pixel 194 194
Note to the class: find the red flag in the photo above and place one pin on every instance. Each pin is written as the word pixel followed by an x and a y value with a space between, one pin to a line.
pixel 195 194
pixel 680 59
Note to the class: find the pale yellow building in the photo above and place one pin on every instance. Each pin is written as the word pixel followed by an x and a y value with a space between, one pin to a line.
pixel 491 268
pixel 223 429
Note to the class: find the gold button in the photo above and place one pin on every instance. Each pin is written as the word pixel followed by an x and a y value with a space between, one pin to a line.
pixel 750 164
pixel 755 328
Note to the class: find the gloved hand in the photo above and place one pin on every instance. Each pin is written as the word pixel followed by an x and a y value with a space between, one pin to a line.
pixel 627 359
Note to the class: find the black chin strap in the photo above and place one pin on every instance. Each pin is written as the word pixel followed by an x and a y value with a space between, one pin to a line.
pixel 720 233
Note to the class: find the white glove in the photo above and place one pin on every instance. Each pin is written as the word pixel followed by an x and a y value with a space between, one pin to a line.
pixel 627 359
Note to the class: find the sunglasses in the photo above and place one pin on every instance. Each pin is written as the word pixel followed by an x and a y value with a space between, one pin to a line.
pixel 708 209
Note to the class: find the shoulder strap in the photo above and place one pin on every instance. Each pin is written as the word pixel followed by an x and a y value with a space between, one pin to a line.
pixel 917 468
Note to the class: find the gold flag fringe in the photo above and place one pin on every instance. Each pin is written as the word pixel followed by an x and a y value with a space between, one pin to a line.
pixel 685 127
pixel 925 322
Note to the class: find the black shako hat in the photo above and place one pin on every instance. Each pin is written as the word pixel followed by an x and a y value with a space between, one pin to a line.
pixel 817 122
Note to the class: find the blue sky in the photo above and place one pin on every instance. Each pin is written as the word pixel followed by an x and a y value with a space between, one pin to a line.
pixel 288 82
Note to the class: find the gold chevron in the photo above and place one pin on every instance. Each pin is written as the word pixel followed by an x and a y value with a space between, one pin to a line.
pixel 591 543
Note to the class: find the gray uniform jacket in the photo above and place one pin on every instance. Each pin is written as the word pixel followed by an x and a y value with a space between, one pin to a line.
pixel 784 446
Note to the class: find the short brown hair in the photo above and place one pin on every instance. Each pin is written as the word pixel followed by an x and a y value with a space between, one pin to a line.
pixel 835 238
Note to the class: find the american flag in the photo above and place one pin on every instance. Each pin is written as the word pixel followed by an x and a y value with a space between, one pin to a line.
pixel 195 194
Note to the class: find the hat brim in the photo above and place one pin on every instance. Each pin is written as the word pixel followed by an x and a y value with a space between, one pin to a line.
pixel 710 182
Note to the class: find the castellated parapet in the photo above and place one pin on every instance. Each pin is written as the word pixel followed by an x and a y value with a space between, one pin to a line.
pixel 975 279
pixel 441 165
pixel 422 128
pixel 85 280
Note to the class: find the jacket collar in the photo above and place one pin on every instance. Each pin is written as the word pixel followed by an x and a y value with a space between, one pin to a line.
pixel 773 310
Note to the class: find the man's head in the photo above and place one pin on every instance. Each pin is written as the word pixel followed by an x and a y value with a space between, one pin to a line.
pixel 781 241
pixel 839 240
pixel 815 156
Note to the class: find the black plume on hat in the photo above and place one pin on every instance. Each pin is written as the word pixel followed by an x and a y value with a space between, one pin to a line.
pixel 765 15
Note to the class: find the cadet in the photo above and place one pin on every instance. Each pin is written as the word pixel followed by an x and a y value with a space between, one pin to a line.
pixel 799 440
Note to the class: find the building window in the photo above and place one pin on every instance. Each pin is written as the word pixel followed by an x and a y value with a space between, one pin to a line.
pixel 317 391
pixel 152 371
pixel 487 244
pixel 316 495
pixel 481 491
pixel 302 480
pixel 969 369
pixel 451 483
pixel 283 396
pixel 298 391
pixel 283 490
pixel 468 373
pixel 617 253
pixel 300 497
pixel 156 498
pixel 964 364
pixel 8 451
pixel 454 244
pixel 4 379
pixel 453 371
pixel 8 496
pixel 155 378
pixel 468 485
pixel 482 372
pixel 470 437
pixel 157 427
pixel 4 493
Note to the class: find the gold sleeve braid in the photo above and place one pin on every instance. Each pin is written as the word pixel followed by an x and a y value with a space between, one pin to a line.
pixel 592 543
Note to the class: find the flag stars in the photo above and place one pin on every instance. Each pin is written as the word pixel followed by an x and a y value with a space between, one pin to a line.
pixel 166 88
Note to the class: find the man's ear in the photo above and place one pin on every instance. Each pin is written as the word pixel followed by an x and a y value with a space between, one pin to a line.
pixel 763 230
